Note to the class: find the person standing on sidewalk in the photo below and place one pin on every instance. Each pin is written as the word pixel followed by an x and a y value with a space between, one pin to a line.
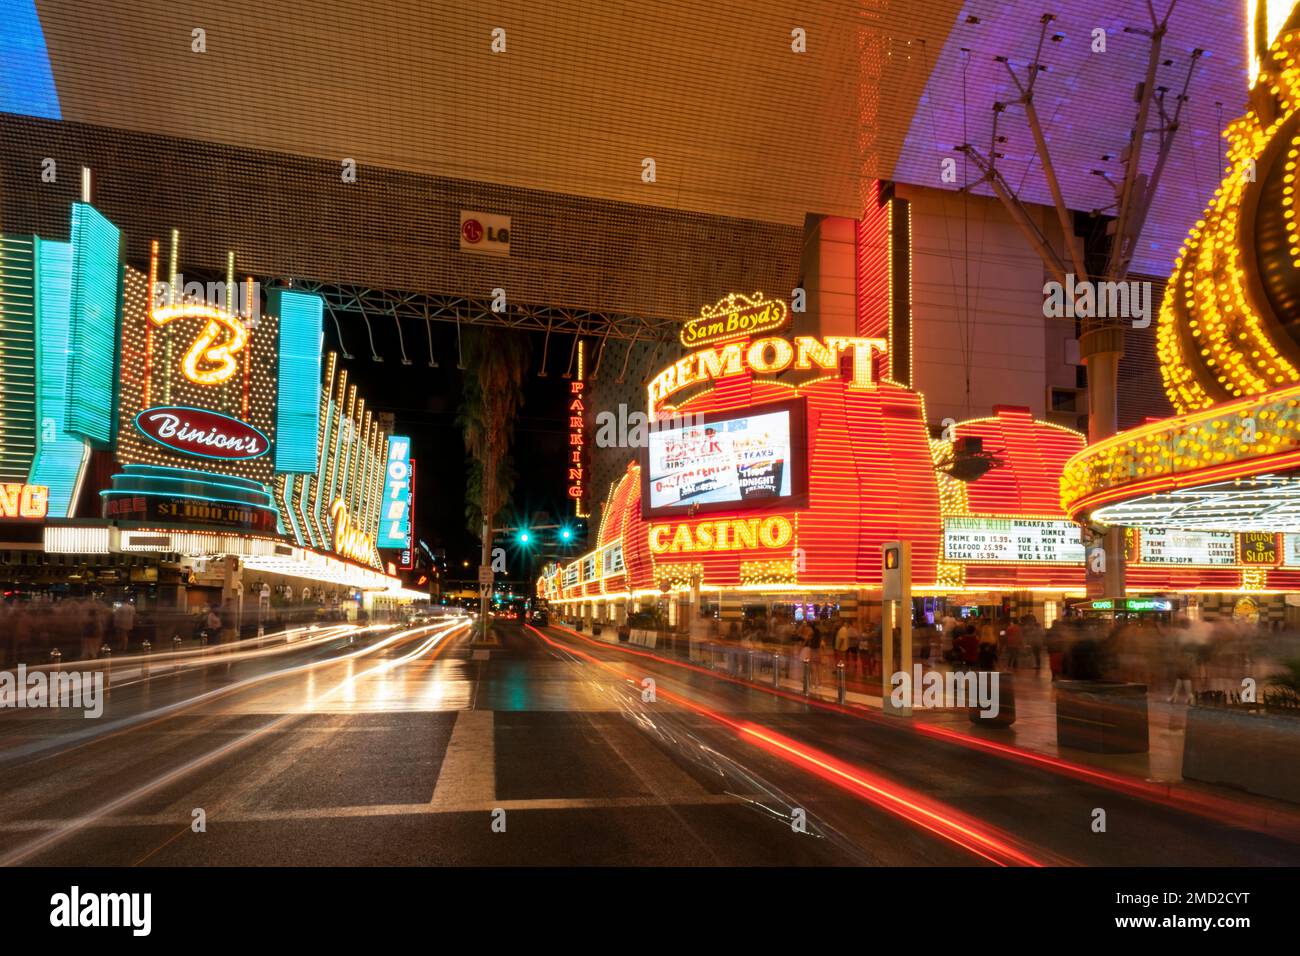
pixel 842 644
pixel 124 623
pixel 816 644
pixel 855 648
pixel 1015 638
pixel 1184 652
pixel 969 643
pixel 1033 634
pixel 92 630
pixel 229 624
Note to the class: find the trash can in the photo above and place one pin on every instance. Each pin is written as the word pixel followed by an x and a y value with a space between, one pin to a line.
pixel 1006 695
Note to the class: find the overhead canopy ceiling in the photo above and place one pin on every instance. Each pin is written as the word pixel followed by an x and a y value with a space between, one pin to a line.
pixel 736 122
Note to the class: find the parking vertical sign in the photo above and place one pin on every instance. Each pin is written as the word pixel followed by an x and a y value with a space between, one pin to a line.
pixel 395 523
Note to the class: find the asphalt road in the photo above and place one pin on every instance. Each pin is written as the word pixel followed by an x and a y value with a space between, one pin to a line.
pixel 538 748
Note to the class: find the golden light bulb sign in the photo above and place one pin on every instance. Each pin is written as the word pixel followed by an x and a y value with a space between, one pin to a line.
pixel 736 316
pixel 770 355
pixel 210 359
pixel 350 540
pixel 24 502
pixel 1258 548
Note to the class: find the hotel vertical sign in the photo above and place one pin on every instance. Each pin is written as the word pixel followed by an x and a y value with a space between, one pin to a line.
pixel 395 524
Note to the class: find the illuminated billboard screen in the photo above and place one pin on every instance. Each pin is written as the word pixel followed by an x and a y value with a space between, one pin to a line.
pixel 725 461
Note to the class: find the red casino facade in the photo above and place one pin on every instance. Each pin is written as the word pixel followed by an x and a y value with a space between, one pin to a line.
pixel 780 465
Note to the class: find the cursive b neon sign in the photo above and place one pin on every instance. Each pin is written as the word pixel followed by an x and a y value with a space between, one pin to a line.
pixel 210 359
pixel 350 540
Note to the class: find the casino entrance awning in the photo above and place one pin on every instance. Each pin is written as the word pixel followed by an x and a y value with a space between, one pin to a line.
pixel 1225 468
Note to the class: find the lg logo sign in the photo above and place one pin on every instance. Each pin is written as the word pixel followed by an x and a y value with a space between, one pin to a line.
pixel 484 233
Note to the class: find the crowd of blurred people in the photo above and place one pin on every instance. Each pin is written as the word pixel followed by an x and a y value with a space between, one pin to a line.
pixel 1178 659
pixel 80 628
pixel 1175 659
pixel 814 641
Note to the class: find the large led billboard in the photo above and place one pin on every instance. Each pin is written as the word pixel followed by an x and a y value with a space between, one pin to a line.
pixel 726 461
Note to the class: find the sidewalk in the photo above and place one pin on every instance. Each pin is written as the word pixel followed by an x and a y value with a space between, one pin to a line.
pixel 1034 728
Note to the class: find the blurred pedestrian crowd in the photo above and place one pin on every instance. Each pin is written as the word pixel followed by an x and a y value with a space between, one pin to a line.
pixel 1176 658
pixel 80 628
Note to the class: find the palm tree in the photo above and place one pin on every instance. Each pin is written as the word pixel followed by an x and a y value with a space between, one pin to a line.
pixel 495 362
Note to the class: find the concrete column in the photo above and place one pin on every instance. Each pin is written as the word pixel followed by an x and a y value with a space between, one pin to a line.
pixel 1101 349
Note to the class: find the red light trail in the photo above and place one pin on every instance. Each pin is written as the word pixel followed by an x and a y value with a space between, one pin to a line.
pixel 932 816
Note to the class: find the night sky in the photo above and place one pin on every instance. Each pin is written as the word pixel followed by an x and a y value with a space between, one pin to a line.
pixel 425 401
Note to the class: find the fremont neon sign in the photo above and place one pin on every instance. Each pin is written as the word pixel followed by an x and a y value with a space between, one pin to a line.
pixel 768 356
pixel 733 534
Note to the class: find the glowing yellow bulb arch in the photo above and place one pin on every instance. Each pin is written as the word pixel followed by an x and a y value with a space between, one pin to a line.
pixel 1230 358
pixel 1219 336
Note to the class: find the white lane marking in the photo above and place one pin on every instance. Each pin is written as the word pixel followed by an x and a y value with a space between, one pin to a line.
pixel 468 774
pixel 387 810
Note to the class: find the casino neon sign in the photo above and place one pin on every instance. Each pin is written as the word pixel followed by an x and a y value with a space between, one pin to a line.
pixel 733 534
pixel 770 355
